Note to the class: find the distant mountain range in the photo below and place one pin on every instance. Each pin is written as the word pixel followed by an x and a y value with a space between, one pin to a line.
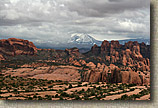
pixel 139 40
pixel 82 41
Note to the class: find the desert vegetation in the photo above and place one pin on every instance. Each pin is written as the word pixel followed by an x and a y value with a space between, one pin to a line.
pixel 15 88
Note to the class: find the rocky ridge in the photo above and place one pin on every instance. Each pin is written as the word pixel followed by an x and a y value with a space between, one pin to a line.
pixel 13 46
pixel 129 63
pixel 111 62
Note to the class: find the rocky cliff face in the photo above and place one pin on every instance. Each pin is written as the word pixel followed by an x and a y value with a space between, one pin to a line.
pixel 115 53
pixel 73 51
pixel 114 74
pixel 13 46
pixel 127 63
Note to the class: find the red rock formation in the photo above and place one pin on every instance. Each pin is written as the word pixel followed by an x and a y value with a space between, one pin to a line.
pixel 82 62
pixel 91 64
pixel 95 49
pixel 13 46
pixel 130 58
pixel 73 52
pixel 1 57
pixel 130 77
pixel 115 44
pixel 76 63
pixel 128 54
pixel 124 63
pixel 113 74
pixel 105 47
pixel 145 50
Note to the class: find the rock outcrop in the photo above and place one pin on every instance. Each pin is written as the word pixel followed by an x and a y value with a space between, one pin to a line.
pixel 73 52
pixel 111 62
pixel 114 53
pixel 127 63
pixel 13 46
pixel 114 74
pixel 1 57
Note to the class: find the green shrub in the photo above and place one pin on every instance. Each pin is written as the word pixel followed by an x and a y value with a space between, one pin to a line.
pixel 34 96
pixel 124 97
pixel 51 86
pixel 79 85
pixel 56 96
pixel 77 97
pixel 40 98
pixel 61 98
pixel 70 86
pixel 64 94
pixel 30 98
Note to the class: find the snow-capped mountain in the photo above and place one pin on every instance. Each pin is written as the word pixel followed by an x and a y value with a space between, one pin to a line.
pixel 83 39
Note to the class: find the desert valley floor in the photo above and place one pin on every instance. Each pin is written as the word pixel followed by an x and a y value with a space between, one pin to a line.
pixel 30 82
pixel 19 88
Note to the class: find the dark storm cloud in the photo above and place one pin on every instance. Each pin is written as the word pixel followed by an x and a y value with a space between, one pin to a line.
pixel 58 19
pixel 100 8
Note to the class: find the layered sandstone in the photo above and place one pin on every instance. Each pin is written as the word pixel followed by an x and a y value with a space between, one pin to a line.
pixel 13 46
pixel 111 62
pixel 127 63
pixel 114 74
pixel 114 53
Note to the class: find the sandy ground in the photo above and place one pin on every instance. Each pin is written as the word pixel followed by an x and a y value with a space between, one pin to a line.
pixel 42 94
pixel 116 91
pixel 70 91
pixel 7 94
pixel 15 98
pixel 145 97
pixel 64 73
pixel 136 91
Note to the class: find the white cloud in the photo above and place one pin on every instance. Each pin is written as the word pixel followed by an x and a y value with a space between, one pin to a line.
pixel 58 19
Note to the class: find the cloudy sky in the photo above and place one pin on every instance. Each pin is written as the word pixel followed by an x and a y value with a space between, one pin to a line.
pixel 58 19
